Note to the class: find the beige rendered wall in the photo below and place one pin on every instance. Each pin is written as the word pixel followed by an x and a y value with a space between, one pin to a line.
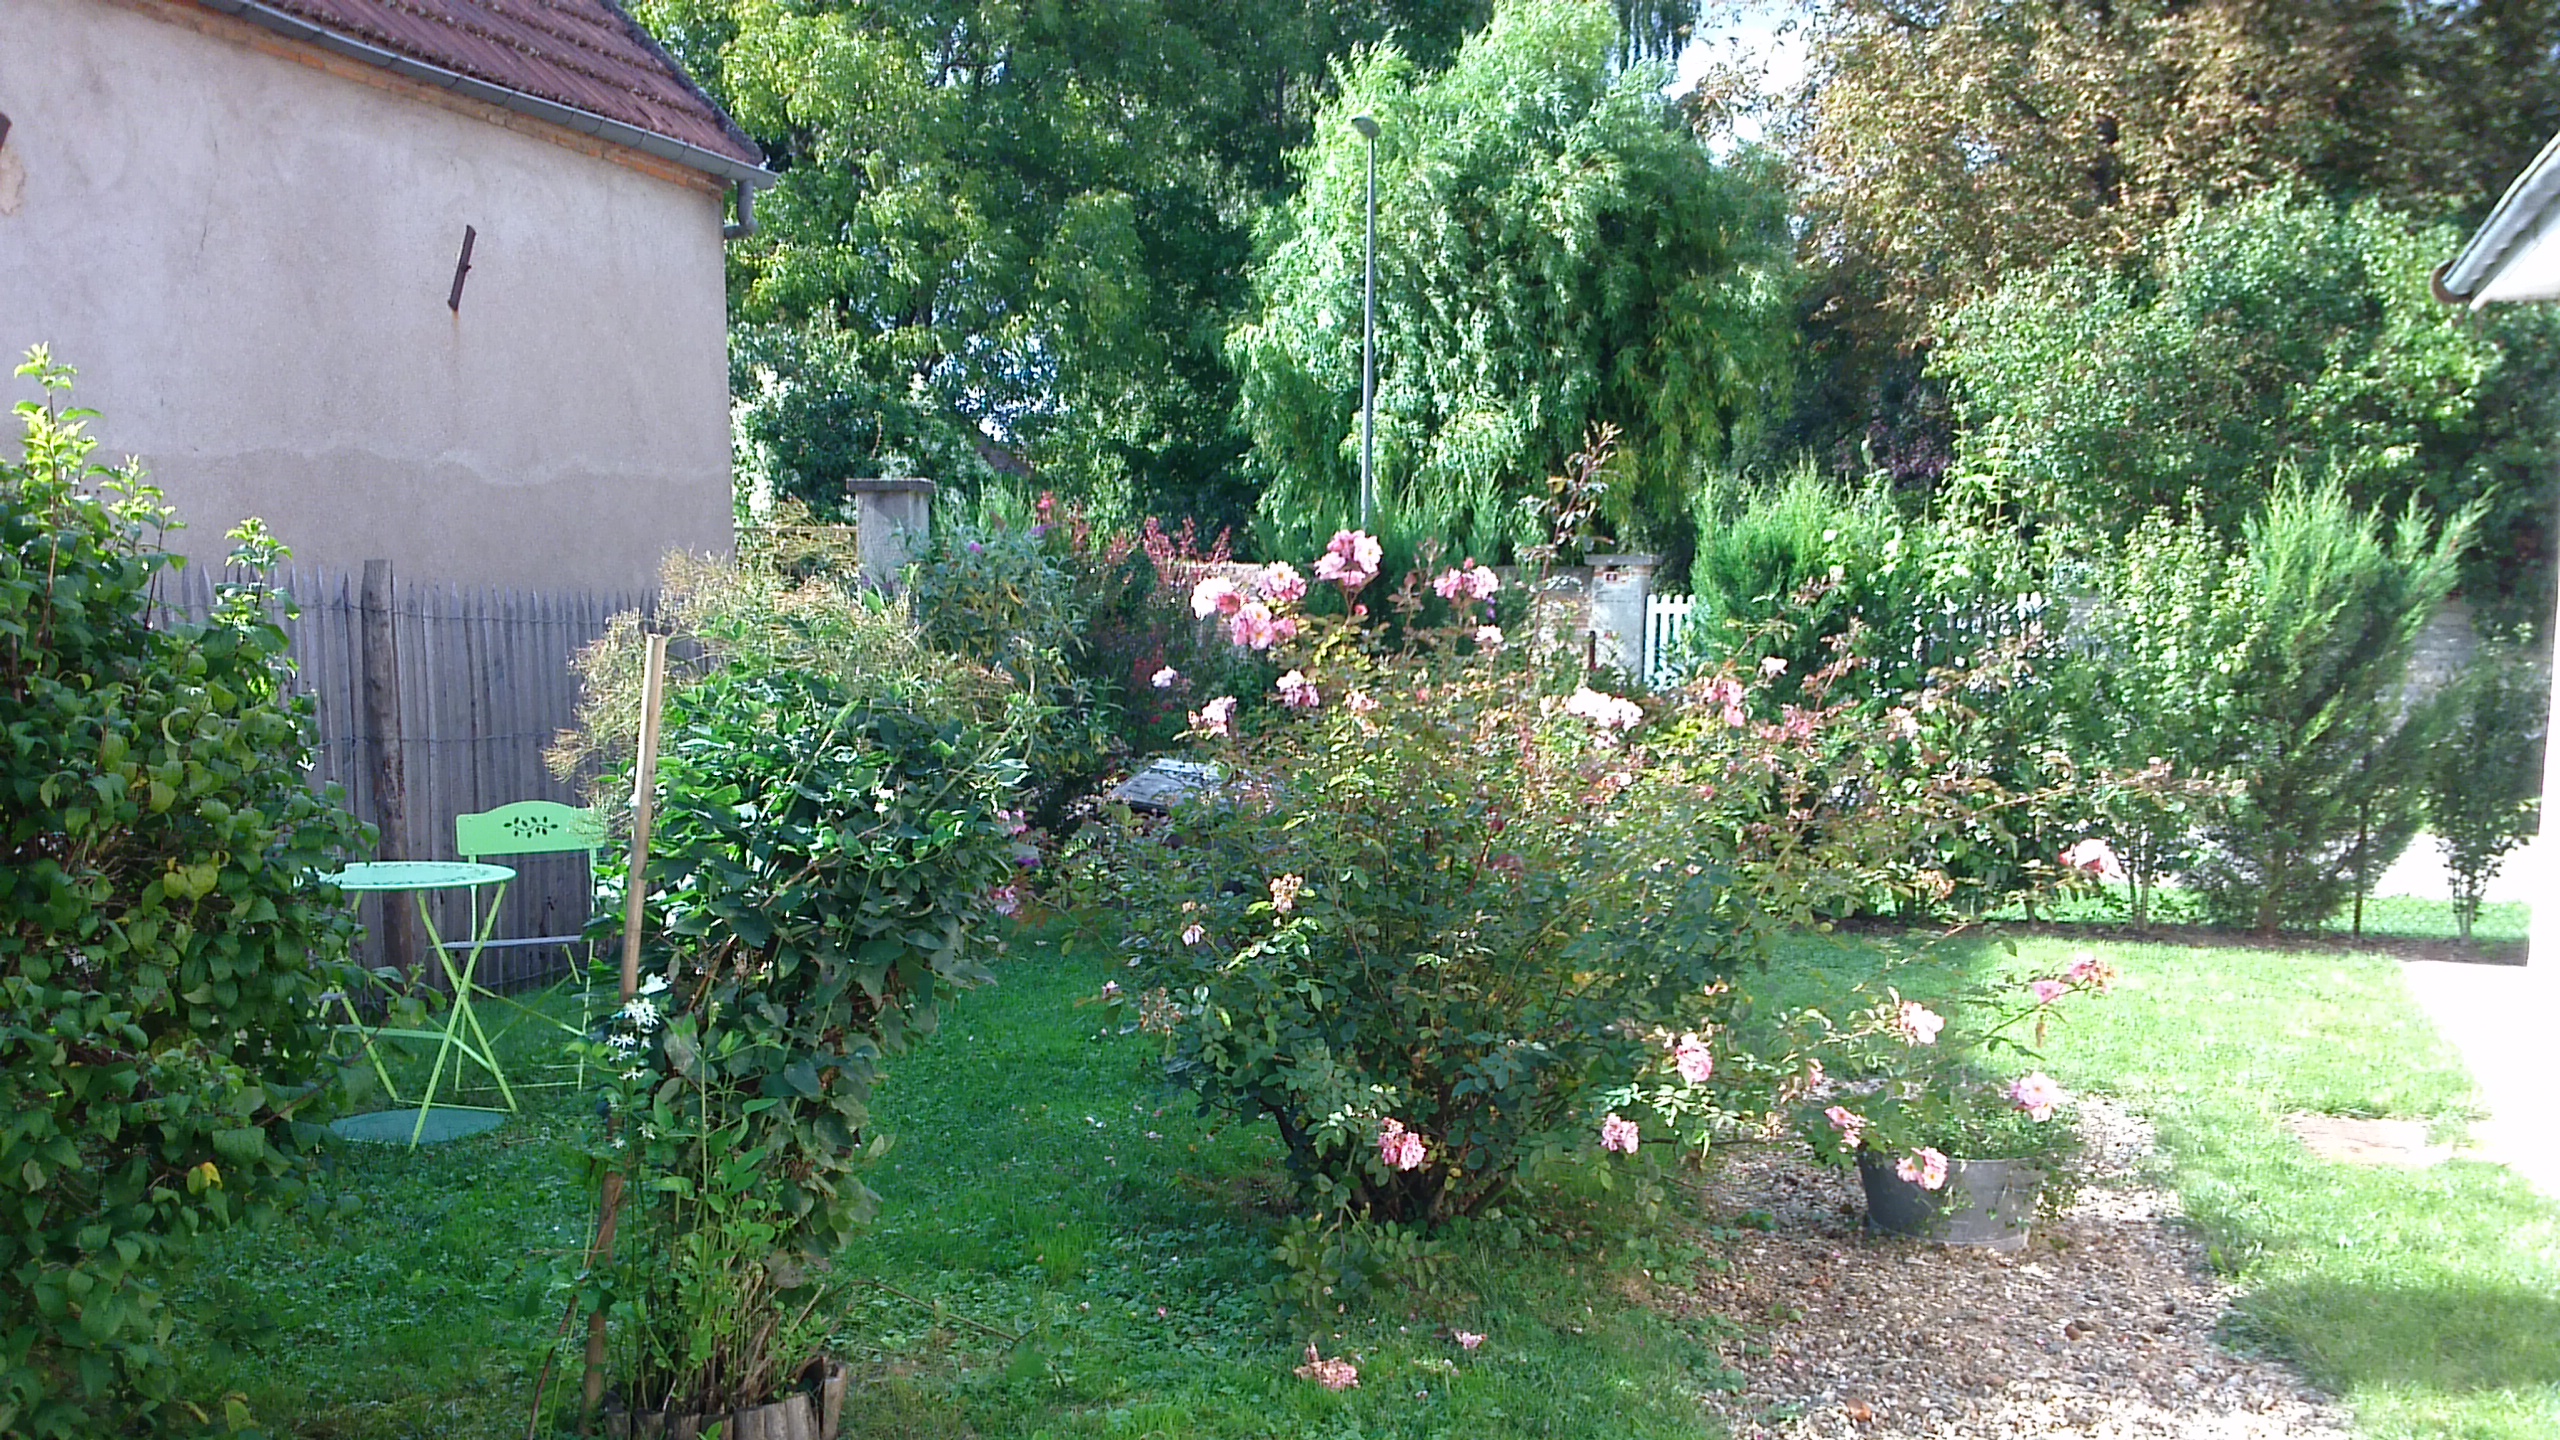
pixel 247 259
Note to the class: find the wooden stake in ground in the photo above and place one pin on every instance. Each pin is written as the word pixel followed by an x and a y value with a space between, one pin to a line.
pixel 644 808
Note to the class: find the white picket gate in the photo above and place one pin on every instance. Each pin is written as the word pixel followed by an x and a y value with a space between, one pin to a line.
pixel 1665 617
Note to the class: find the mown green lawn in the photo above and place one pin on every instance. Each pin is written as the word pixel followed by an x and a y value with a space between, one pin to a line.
pixel 2430 1301
pixel 1046 1185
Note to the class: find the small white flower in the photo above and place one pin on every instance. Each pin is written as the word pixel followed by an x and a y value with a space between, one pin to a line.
pixel 654 985
pixel 642 1013
pixel 634 1073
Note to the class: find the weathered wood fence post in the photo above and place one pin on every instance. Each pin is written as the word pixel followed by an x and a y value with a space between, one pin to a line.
pixel 381 708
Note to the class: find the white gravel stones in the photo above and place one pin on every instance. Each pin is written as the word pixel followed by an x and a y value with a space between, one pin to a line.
pixel 2103 1328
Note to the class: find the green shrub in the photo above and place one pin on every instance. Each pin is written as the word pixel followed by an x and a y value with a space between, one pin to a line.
pixel 832 854
pixel 163 941
pixel 2328 751
pixel 2484 771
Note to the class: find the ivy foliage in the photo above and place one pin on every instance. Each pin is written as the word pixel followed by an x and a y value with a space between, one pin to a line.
pixel 163 942
pixel 1554 251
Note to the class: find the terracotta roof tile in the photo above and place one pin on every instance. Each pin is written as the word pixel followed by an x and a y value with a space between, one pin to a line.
pixel 586 54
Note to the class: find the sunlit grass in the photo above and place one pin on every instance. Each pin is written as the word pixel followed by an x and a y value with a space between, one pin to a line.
pixel 1045 1184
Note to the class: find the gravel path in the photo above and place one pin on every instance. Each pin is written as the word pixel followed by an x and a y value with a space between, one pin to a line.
pixel 2102 1328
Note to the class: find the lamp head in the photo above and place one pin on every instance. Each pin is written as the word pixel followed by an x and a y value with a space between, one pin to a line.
pixel 1366 125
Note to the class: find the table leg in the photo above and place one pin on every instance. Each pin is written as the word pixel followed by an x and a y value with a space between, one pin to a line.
pixel 488 1056
pixel 435 1075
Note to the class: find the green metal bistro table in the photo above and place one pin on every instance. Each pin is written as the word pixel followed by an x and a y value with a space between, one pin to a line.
pixel 419 877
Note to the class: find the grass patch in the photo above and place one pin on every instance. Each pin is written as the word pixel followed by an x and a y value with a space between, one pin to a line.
pixel 2430 1301
pixel 1045 1184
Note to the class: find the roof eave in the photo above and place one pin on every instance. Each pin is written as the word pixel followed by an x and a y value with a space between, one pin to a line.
pixel 2519 210
pixel 692 157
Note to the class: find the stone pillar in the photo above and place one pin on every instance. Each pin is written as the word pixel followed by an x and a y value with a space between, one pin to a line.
pixel 1620 585
pixel 892 518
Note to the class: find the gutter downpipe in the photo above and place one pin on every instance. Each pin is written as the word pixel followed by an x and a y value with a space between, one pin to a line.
pixel 745 176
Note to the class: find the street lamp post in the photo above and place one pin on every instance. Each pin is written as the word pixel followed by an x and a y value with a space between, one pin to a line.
pixel 1368 128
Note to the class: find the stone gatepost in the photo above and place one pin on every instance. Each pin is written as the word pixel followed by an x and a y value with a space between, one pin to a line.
pixel 1620 586
pixel 892 519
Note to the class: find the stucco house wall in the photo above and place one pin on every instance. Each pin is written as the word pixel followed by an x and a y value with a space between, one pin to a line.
pixel 245 246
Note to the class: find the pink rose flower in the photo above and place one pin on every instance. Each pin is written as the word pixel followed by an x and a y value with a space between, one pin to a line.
pixel 2037 1095
pixel 1618 1133
pixel 1282 584
pixel 1467 1339
pixel 1350 560
pixel 1399 1148
pixel 1691 1059
pixel 1925 1168
pixel 1216 595
pixel 1726 694
pixel 1285 891
pixel 1358 702
pixel 1166 678
pixel 1110 989
pixel 1849 1123
pixel 1489 638
pixel 1006 900
pixel 2047 991
pixel 1253 628
pixel 1917 1024
pixel 1298 692
pixel 1193 933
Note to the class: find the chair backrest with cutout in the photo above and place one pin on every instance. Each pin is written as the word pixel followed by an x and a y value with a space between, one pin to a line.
pixel 527 827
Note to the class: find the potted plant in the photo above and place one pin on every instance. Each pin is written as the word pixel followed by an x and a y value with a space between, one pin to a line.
pixel 1951 1143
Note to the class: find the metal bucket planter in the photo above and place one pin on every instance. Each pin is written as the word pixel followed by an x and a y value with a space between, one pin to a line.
pixel 811 1413
pixel 1984 1202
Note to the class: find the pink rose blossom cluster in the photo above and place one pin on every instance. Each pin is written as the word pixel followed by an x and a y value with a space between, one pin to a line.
pixel 1618 1133
pixel 1256 626
pixel 1917 1024
pixel 1298 692
pixel 2037 1094
pixel 1399 1148
pixel 1350 560
pixel 1285 892
pixel 1691 1059
pixel 2047 990
pixel 1215 718
pixel 1359 702
pixel 1606 711
pixel 1469 585
pixel 1924 1167
pixel 1013 821
pixel 1726 694
pixel 1006 900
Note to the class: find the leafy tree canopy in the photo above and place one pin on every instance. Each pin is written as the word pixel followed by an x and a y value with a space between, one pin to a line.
pixel 1948 144
pixel 1023 229
pixel 2275 332
pixel 1554 251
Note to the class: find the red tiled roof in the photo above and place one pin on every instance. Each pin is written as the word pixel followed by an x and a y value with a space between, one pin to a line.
pixel 585 54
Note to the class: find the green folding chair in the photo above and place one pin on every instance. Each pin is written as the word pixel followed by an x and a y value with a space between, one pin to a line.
pixel 535 827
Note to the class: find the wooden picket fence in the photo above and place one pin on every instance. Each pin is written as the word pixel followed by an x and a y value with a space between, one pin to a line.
pixel 484 686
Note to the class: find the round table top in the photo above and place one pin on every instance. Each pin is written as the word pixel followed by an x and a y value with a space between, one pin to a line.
pixel 418 875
